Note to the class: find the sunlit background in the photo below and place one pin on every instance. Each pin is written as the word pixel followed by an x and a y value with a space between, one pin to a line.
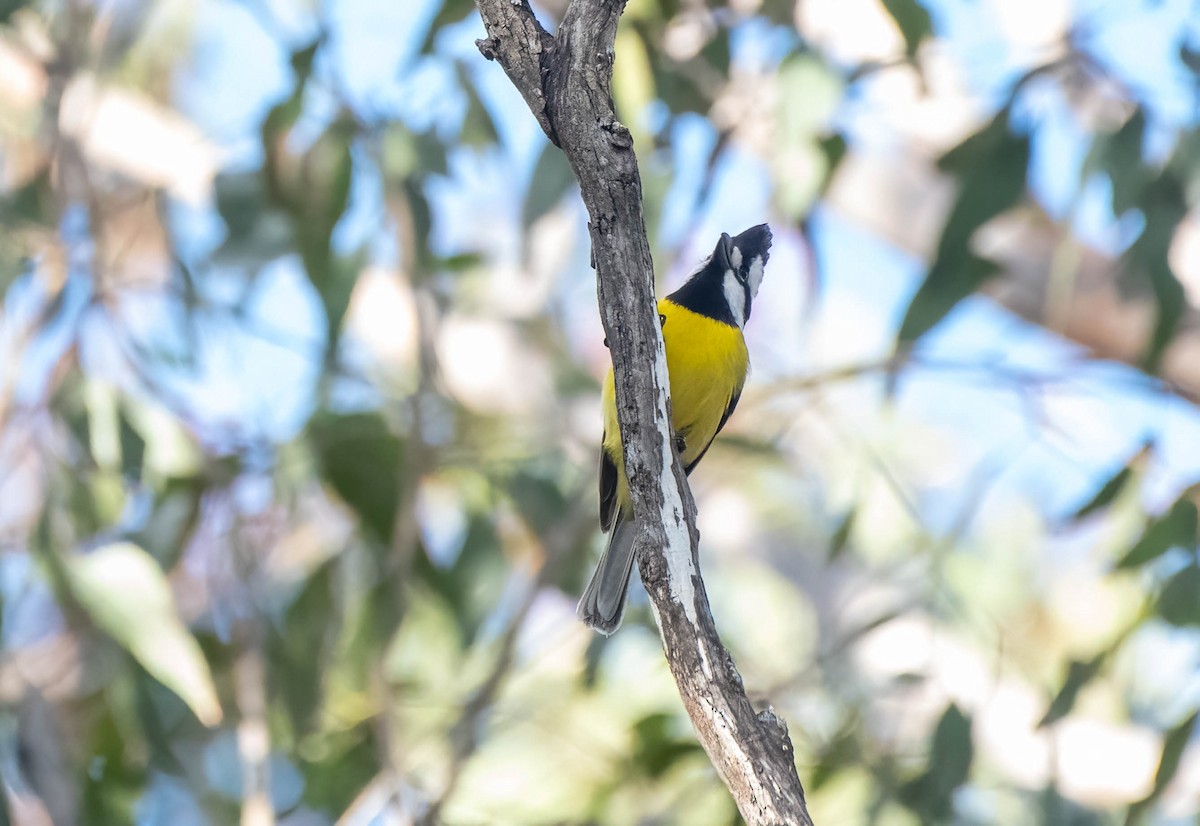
pixel 299 414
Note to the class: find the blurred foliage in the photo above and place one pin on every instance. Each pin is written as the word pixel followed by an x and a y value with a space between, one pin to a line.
pixel 297 431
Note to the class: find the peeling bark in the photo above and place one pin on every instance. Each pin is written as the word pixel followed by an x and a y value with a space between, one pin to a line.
pixel 566 81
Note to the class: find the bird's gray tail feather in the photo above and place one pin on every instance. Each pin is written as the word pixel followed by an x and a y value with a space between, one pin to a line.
pixel 603 603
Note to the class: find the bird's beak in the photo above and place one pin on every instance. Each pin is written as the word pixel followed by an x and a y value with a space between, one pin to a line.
pixel 723 251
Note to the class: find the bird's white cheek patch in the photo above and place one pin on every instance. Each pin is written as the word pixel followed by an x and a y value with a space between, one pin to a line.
pixel 735 297
pixel 756 274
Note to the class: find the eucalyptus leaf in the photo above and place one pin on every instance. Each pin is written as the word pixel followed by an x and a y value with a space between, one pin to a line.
pixel 951 279
pixel 841 534
pixel 1174 743
pixel 1179 601
pixel 552 178
pixel 1119 156
pixel 951 753
pixel 1079 675
pixel 991 167
pixel 1148 261
pixel 360 457
pixel 660 742
pixel 478 129
pixel 1106 494
pixel 913 20
pixel 1114 486
pixel 126 594
pixel 449 13
pixel 1175 528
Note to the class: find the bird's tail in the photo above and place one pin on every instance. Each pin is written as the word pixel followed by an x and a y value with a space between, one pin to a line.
pixel 603 603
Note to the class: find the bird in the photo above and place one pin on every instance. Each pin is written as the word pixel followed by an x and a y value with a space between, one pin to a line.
pixel 707 364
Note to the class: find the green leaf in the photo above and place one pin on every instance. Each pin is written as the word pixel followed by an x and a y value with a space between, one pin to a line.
pixel 257 231
pixel 1176 528
pixel 450 12
pixel 1174 743
pixel 1164 206
pixel 1119 156
pixel 991 167
pixel 329 168
pixel 1079 674
pixel 1179 601
pixel 422 218
pixel 174 514
pixel 478 129
pixel 539 498
pixel 949 281
pixel 10 7
pixel 833 147
pixel 240 199
pixel 672 81
pixel 1057 810
pixel 841 536
pixel 316 210
pixel 133 447
pixel 913 21
pixel 1189 57
pixel 474 583
pixel 360 458
pixel 1113 486
pixel 961 159
pixel 404 153
pixel 341 767
pixel 303 58
pixel 462 262
pixel 32 202
pixel 632 82
pixel 716 52
pixel 953 750
pixel 779 12
pixel 659 744
pixel 297 652
pixel 115 780
pixel 839 752
pixel 1106 494
pixel 552 177
pixel 994 183
pixel 126 594
pixel 371 627
pixel 803 155
pixel 931 794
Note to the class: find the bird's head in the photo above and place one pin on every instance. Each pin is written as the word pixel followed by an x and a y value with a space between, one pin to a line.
pixel 725 285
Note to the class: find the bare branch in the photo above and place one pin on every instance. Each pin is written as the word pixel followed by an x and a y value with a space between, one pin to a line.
pixel 517 40
pixel 566 80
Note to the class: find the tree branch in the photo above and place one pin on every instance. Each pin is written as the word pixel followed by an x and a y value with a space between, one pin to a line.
pixel 566 80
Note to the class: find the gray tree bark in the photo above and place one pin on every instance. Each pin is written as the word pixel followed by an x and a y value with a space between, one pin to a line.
pixel 566 81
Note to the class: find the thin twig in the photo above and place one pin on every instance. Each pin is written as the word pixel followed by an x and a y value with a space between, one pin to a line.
pixel 253 736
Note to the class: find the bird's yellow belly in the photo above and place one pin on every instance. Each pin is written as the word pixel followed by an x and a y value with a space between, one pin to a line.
pixel 707 363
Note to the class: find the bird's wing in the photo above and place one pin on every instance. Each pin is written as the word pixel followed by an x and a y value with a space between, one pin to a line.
pixel 729 408
pixel 608 490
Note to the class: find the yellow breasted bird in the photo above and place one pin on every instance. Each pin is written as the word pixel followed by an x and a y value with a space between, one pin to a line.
pixel 707 361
